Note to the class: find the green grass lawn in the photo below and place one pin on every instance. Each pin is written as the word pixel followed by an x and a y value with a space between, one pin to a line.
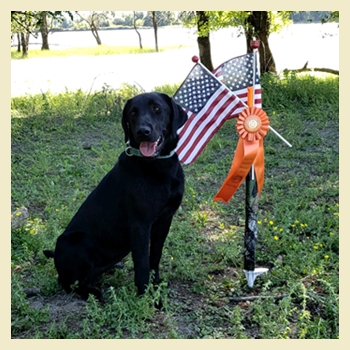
pixel 62 146
pixel 90 51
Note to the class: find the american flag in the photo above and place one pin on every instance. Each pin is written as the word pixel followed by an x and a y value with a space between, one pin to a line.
pixel 208 104
pixel 237 75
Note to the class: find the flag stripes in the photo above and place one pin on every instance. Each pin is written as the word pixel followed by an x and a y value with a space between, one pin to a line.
pixel 200 128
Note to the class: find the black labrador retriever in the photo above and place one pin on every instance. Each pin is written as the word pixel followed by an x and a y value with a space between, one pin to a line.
pixel 132 207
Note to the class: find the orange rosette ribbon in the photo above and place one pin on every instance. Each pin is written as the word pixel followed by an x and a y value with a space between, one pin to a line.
pixel 252 126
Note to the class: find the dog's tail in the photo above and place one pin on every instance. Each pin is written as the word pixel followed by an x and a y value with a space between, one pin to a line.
pixel 49 253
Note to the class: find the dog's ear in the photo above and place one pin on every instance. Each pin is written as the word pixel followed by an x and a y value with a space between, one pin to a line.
pixel 179 116
pixel 125 124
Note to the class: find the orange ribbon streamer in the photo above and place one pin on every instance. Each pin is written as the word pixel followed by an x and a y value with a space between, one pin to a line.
pixel 252 126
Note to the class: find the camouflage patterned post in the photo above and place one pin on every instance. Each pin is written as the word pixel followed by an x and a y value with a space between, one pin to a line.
pixel 251 215
pixel 251 208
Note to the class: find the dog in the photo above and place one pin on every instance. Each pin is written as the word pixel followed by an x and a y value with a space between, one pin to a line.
pixel 131 209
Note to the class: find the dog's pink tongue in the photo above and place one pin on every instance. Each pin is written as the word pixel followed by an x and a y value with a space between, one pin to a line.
pixel 148 148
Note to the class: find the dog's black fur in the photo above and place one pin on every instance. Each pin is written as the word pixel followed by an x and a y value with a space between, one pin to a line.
pixel 132 207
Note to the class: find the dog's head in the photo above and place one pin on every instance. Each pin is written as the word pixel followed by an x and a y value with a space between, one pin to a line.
pixel 150 122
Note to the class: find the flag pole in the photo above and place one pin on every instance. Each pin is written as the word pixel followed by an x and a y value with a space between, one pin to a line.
pixel 251 202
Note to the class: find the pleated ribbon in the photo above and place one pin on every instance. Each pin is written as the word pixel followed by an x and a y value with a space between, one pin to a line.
pixel 252 126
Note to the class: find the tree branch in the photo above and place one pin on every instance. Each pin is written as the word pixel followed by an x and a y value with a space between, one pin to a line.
pixel 306 69
pixel 252 298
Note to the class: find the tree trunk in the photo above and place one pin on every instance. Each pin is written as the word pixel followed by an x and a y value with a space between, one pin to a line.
pixel 18 42
pixel 203 40
pixel 97 37
pixel 155 27
pixel 258 26
pixel 44 31
pixel 25 42
pixel 95 33
pixel 94 24
pixel 140 42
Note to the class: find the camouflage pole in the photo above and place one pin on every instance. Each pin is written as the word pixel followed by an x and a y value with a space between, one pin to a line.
pixel 251 207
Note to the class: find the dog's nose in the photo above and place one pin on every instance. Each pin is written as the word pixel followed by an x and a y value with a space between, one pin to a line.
pixel 143 131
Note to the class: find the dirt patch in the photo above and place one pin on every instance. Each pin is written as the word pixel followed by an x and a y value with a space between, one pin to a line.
pixel 65 311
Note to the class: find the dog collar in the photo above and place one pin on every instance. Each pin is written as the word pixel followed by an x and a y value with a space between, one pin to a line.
pixel 130 151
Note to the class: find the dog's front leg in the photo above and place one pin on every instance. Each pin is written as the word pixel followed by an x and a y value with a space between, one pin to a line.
pixel 140 238
pixel 159 233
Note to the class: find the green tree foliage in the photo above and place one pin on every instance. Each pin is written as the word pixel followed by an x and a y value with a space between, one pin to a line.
pixel 165 18
pixel 239 19
pixel 333 17
pixel 128 19
pixel 258 24
pixel 315 16
pixel 26 23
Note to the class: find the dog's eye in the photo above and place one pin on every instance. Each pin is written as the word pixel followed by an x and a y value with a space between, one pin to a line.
pixel 156 109
pixel 133 113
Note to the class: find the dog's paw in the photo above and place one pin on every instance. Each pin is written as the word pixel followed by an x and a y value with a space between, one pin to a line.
pixel 84 293
pixel 49 253
pixel 159 305
pixel 119 265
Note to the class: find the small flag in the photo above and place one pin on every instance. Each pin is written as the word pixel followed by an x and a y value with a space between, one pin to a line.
pixel 208 104
pixel 237 75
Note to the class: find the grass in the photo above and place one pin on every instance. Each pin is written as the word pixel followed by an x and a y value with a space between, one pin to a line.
pixel 62 145
pixel 90 51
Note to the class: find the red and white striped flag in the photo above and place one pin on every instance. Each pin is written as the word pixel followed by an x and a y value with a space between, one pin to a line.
pixel 208 104
pixel 237 75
